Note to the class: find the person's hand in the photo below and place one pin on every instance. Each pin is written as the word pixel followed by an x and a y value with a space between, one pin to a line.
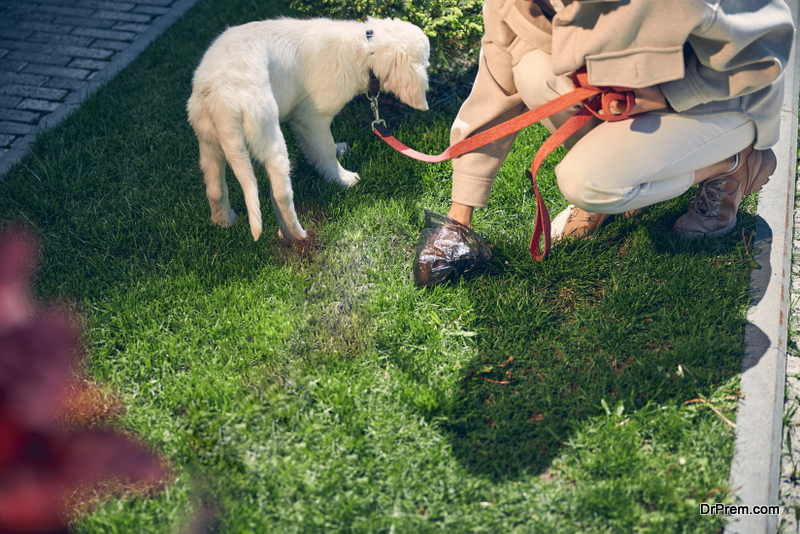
pixel 647 99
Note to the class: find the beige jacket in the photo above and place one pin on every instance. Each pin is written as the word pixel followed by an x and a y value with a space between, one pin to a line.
pixel 708 57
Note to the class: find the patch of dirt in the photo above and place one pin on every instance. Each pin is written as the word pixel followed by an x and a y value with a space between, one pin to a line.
pixel 313 218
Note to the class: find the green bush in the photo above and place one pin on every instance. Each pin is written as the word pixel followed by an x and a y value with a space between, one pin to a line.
pixel 453 26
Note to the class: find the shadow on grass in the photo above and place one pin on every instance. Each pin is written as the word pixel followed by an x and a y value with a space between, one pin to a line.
pixel 633 316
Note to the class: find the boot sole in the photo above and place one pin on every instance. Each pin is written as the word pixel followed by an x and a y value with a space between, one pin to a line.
pixel 691 236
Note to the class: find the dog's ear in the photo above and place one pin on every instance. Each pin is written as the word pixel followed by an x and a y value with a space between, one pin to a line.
pixel 400 60
pixel 410 82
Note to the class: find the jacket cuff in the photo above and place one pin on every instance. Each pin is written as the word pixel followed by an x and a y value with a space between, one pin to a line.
pixel 471 190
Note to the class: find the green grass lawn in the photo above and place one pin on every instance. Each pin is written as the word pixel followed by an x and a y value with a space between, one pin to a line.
pixel 319 389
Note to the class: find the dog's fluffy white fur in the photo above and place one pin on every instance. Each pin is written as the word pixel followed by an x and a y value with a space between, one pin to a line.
pixel 303 72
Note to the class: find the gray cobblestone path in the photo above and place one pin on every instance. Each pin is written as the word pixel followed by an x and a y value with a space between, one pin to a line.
pixel 53 53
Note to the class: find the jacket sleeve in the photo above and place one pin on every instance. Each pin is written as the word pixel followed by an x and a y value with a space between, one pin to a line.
pixel 737 51
pixel 494 99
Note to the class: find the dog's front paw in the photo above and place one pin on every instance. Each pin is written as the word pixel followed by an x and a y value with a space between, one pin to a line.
pixel 348 179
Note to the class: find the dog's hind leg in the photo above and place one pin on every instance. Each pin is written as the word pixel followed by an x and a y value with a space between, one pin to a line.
pixel 212 162
pixel 270 148
pixel 313 134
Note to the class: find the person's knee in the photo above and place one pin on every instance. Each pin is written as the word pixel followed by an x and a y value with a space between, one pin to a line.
pixel 581 186
pixel 571 180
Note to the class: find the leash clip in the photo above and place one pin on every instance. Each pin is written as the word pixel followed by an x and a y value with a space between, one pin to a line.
pixel 378 122
pixel 373 90
pixel 373 103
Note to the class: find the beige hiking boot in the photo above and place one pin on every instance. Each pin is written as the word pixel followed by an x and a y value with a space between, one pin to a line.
pixel 713 209
pixel 575 222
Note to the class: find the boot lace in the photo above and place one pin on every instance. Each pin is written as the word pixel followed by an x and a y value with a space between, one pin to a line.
pixel 710 194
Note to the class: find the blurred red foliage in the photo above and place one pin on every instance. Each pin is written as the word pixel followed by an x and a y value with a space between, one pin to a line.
pixel 41 462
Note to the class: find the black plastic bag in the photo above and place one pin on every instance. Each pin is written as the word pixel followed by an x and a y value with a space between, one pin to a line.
pixel 447 249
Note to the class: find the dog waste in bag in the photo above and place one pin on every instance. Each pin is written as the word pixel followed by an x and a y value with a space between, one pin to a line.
pixel 447 249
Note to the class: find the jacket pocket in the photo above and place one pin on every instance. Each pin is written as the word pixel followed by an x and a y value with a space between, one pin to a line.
pixel 638 67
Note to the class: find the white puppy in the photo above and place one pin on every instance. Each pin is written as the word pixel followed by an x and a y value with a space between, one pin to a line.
pixel 303 72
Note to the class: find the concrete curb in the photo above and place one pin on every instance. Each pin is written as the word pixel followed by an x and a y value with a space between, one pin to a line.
pixel 74 100
pixel 755 470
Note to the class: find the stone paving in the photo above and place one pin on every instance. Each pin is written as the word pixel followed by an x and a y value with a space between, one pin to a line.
pixel 790 464
pixel 50 50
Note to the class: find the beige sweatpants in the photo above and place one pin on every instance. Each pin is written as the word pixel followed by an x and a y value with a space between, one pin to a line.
pixel 610 167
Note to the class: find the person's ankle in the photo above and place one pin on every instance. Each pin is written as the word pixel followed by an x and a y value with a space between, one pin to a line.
pixel 461 213
pixel 712 171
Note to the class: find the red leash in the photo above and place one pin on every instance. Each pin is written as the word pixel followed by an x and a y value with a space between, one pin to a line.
pixel 583 92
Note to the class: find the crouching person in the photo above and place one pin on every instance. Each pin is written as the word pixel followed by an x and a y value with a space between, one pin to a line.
pixel 709 87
